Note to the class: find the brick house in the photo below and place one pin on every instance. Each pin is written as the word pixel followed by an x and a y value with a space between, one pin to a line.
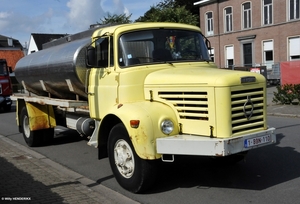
pixel 251 33
pixel 11 50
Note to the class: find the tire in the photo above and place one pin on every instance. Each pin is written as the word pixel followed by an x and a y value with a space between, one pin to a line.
pixel 132 173
pixel 48 135
pixel 32 138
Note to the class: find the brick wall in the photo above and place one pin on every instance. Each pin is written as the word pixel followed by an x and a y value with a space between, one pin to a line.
pixel 11 56
pixel 279 31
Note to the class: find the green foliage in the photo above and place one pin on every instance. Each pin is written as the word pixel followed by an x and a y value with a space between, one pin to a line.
pixel 178 15
pixel 167 4
pixel 188 4
pixel 169 11
pixel 115 19
pixel 287 94
pixel 179 11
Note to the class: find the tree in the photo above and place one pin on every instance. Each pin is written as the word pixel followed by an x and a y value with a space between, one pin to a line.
pixel 115 19
pixel 169 11
pixel 188 4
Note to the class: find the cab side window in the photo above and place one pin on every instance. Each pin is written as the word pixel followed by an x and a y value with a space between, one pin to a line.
pixel 3 69
pixel 102 50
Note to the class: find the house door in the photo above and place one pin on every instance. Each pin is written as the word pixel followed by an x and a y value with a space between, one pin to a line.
pixel 247 50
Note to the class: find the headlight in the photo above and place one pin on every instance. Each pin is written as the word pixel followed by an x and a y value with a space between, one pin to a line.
pixel 167 126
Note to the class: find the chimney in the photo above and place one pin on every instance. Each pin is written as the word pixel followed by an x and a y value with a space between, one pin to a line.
pixel 10 42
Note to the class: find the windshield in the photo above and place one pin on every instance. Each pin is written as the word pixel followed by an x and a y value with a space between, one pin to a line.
pixel 161 46
pixel 3 69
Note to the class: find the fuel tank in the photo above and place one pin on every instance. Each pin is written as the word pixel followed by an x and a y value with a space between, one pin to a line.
pixel 58 72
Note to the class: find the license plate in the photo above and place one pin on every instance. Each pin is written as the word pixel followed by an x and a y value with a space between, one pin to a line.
pixel 257 141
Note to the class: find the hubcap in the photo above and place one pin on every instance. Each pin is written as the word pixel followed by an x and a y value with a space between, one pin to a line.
pixel 26 126
pixel 124 159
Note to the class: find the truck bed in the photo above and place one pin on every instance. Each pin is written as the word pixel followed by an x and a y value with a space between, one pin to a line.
pixel 64 103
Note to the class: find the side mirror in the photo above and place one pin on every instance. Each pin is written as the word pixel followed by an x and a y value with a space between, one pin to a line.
pixel 90 56
pixel 208 45
pixel 10 70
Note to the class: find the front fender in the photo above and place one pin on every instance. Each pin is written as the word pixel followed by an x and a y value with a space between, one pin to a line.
pixel 150 115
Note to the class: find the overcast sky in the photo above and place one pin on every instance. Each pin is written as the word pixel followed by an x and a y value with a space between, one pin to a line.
pixel 20 18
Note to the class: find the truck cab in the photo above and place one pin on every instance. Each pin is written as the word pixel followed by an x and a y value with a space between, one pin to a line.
pixel 5 86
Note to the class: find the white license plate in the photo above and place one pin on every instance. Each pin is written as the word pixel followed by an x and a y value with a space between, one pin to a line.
pixel 257 141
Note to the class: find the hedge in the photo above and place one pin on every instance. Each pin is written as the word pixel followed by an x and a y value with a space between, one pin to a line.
pixel 287 94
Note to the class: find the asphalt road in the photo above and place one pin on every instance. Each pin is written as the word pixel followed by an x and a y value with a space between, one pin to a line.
pixel 268 175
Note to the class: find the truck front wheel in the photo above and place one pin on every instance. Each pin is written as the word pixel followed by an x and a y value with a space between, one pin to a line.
pixel 131 172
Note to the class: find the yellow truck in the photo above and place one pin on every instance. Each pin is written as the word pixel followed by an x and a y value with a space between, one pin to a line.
pixel 141 93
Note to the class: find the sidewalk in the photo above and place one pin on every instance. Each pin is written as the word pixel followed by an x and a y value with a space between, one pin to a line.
pixel 274 109
pixel 27 176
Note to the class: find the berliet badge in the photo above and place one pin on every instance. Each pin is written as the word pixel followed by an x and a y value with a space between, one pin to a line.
pixel 248 113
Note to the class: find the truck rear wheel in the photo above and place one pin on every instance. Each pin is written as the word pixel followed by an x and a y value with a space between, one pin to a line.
pixel 31 137
pixel 37 137
pixel 48 135
pixel 132 173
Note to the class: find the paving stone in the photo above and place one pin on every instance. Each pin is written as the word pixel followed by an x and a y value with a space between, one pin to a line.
pixel 25 176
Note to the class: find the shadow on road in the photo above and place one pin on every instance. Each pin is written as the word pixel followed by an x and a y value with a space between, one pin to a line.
pixel 262 168
pixel 64 136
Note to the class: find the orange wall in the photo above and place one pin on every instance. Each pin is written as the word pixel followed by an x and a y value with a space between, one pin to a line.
pixel 290 72
pixel 11 56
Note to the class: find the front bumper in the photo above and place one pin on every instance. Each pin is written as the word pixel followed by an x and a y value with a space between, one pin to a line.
pixel 205 146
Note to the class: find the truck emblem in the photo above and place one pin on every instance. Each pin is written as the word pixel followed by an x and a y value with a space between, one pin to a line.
pixel 248 113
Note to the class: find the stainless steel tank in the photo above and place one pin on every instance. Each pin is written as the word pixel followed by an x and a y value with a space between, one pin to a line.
pixel 58 72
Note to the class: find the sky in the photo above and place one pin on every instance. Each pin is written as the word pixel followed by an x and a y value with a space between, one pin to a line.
pixel 20 18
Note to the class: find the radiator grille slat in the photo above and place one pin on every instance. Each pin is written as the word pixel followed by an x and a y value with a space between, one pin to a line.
pixel 242 115
pixel 189 105
pixel 247 110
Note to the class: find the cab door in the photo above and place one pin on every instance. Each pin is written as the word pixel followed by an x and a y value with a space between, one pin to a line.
pixel 103 83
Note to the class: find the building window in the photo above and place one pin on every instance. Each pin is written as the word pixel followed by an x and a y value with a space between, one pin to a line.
pixel 267 12
pixel 294 7
pixel 209 23
pixel 294 48
pixel 246 15
pixel 228 19
pixel 229 56
pixel 268 48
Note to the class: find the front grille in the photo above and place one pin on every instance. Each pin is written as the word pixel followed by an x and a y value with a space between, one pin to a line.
pixel 247 110
pixel 189 105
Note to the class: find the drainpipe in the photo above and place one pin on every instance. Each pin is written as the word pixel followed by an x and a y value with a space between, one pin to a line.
pixel 219 35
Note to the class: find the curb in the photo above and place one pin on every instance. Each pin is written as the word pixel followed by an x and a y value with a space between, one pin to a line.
pixel 284 115
pixel 105 195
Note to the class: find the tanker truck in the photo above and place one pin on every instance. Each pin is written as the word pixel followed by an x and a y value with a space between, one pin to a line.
pixel 142 93
pixel 5 86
